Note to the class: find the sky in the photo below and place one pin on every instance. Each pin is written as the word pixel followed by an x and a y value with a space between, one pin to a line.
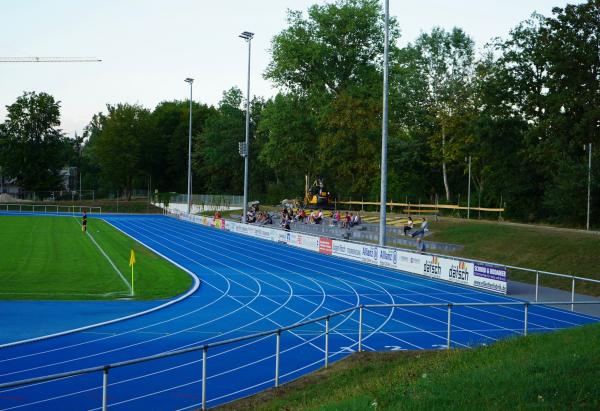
pixel 148 47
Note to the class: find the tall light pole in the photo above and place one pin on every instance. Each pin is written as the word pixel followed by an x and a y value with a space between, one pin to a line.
pixel 589 149
pixel 469 193
pixel 384 130
pixel 246 35
pixel 189 184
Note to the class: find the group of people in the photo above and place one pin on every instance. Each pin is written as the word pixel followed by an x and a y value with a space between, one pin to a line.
pixel 348 221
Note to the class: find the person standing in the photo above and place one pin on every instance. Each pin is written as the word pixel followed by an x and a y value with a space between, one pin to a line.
pixel 84 222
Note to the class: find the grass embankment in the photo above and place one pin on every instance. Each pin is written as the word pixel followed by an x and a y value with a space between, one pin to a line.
pixel 544 248
pixel 51 258
pixel 550 371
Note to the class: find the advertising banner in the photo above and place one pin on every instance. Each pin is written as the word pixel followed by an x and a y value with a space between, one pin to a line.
pixel 485 276
pixel 326 245
pixel 307 242
pixel 370 254
pixel 347 250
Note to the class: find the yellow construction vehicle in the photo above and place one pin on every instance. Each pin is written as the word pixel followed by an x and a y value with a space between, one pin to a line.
pixel 315 196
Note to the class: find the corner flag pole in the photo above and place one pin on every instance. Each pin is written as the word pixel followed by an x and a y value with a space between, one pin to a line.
pixel 131 264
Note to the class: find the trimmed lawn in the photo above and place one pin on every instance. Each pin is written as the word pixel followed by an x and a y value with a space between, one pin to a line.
pixel 51 258
pixel 555 371
pixel 542 248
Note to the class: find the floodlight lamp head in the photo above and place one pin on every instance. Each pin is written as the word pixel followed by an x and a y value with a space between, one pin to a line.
pixel 189 80
pixel 246 35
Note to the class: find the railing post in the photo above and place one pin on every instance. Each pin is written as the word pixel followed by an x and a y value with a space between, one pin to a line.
pixel 105 389
pixel 204 356
pixel 277 347
pixel 572 293
pixel 537 284
pixel 327 342
pixel 449 325
pixel 526 320
pixel 360 323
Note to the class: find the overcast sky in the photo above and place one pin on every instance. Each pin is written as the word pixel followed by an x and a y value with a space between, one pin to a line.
pixel 148 47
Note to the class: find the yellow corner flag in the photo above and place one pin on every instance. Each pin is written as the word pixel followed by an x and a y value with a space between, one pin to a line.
pixel 131 264
pixel 132 259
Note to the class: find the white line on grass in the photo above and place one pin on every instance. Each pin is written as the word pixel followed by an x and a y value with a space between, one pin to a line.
pixel 109 260
pixel 111 263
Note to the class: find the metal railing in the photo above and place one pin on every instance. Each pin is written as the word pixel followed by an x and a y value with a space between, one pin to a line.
pixel 49 208
pixel 277 333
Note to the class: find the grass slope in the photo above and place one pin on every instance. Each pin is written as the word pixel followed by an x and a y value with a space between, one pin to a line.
pixel 550 371
pixel 50 258
pixel 562 251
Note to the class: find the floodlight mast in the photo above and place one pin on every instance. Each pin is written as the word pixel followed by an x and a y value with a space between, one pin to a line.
pixel 246 35
pixel 190 81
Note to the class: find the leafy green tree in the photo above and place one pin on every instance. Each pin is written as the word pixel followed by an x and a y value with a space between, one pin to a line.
pixel 121 143
pixel 167 158
pixel 328 64
pixel 32 147
pixel 291 141
pixel 216 156
pixel 446 61
pixel 336 46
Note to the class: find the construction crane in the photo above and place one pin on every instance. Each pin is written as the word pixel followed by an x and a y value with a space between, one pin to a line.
pixel 49 60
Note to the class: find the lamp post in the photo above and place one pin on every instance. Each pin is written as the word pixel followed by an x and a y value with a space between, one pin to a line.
pixel 246 35
pixel 589 150
pixel 469 191
pixel 189 179
pixel 384 130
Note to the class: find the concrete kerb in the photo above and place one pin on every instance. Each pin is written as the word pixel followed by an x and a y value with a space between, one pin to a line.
pixel 182 297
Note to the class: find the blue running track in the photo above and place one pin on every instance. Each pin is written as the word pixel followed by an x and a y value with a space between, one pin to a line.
pixel 249 286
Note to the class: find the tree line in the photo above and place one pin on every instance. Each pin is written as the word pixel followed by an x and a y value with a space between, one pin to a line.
pixel 522 108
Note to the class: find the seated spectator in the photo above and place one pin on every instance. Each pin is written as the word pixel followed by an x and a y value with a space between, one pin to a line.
pixel 268 219
pixel 421 231
pixel 318 219
pixel 409 225
pixel 346 222
pixel 336 218
pixel 351 222
pixel 285 222
pixel 356 220
pixel 302 216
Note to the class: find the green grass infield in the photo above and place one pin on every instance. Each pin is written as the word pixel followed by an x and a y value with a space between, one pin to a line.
pixel 50 258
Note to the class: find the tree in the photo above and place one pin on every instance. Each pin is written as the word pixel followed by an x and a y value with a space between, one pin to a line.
pixel 216 156
pixel 168 157
pixel 120 144
pixel 327 120
pixel 446 61
pixel 338 45
pixel 291 140
pixel 32 147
